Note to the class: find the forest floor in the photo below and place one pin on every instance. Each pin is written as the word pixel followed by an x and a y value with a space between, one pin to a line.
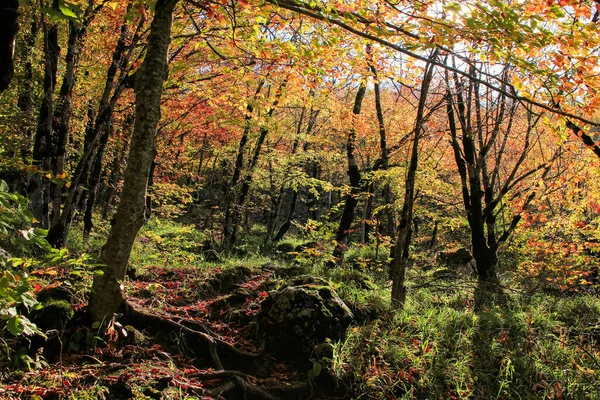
pixel 538 344
pixel 126 363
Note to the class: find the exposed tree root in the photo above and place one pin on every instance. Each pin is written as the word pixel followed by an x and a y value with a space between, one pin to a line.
pixel 244 386
pixel 198 341
pixel 218 375
pixel 203 340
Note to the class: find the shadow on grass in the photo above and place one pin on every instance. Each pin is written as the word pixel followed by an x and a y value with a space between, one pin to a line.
pixel 502 367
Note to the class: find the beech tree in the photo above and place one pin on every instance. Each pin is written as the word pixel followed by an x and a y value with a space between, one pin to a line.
pixel 401 248
pixel 106 297
pixel 481 125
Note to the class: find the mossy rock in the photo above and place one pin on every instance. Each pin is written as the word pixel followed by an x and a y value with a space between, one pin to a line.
pixel 454 258
pixel 296 318
pixel 308 280
pixel 54 314
pixel 238 297
pixel 283 272
pixel 229 277
pixel 285 247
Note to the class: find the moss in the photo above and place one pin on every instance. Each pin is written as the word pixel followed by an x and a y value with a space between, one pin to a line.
pixel 53 314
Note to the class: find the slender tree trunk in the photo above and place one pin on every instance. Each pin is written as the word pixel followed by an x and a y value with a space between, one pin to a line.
pixel 400 257
pixel 61 129
pixel 25 100
pixel 148 211
pixel 288 222
pixel 107 297
pixel 231 191
pixel 42 149
pixel 245 189
pixel 95 139
pixel 93 184
pixel 351 201
pixel 117 166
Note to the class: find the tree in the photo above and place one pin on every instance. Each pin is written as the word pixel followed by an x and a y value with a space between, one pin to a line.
pixel 401 248
pixel 343 231
pixel 106 297
pixel 481 125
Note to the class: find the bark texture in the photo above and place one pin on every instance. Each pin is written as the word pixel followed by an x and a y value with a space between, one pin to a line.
pixel 107 296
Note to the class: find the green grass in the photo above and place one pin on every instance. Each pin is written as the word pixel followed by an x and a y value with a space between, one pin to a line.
pixel 434 349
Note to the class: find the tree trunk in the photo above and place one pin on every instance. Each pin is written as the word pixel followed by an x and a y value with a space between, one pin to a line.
pixel 96 137
pixel 400 256
pixel 351 201
pixel 106 296
pixel 93 183
pixel 118 161
pixel 245 189
pixel 38 190
pixel 25 101
pixel 231 194
pixel 9 15
pixel 62 122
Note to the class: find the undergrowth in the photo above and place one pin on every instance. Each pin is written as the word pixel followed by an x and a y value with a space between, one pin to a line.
pixel 534 345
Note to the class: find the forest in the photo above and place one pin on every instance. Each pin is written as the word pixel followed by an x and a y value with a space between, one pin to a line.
pixel 299 199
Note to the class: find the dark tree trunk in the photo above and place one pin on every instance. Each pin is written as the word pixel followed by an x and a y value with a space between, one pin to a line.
pixel 61 127
pixel 245 189
pixel 400 255
pixel 93 183
pixel 274 239
pixel 481 127
pixel 9 16
pixel 351 200
pixel 106 297
pixel 114 178
pixel 285 227
pixel 95 139
pixel 384 161
pixel 39 193
pixel 25 100
pixel 148 211
pixel 231 191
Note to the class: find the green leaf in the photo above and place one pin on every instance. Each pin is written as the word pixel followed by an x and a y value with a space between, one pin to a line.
pixel 28 300
pixel 67 12
pixel 317 369
pixel 15 326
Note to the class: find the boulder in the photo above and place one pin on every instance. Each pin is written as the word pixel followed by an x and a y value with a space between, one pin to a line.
pixel 298 317
pixel 460 261
pixel 285 247
pixel 453 258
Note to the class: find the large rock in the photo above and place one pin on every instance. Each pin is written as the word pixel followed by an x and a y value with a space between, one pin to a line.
pixel 301 316
pixel 459 262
